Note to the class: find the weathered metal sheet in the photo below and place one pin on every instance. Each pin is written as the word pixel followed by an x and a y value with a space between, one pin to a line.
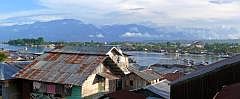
pixel 7 70
pixel 61 68
pixel 84 49
pixel 148 75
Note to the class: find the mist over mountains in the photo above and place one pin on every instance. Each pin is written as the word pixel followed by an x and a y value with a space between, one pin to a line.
pixel 76 30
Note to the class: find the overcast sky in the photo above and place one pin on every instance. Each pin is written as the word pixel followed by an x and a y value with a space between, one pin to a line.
pixel 100 12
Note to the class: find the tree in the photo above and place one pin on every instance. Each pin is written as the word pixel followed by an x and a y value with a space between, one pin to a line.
pixel 40 40
pixel 2 57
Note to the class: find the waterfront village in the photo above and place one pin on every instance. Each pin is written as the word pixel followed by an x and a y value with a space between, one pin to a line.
pixel 108 72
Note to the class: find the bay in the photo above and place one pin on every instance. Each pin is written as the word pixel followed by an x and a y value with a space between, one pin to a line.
pixel 148 58
pixel 28 49
pixel 142 58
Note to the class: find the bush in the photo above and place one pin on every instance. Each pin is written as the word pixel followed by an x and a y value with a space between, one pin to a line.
pixel 2 57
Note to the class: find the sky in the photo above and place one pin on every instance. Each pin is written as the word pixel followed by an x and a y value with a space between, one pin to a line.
pixel 101 12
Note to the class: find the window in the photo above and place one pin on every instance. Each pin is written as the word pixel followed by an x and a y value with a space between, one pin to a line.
pixel 131 83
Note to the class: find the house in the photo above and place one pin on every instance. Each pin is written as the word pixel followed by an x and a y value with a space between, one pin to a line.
pixel 206 82
pixel 74 72
pixel 9 88
pixel 137 79
pixel 198 44
pixel 161 89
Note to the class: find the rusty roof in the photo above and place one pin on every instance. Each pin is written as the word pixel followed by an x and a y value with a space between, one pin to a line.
pixel 173 76
pixel 61 68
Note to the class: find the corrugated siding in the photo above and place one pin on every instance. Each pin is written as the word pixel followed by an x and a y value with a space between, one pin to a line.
pixel 138 82
pixel 10 91
pixel 76 93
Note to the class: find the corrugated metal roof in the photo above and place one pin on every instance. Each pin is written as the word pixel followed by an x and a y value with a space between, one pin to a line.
pixel 162 89
pixel 85 49
pixel 210 68
pixel 61 68
pixel 7 70
pixel 148 75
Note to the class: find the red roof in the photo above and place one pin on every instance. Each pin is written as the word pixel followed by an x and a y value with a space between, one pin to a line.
pixel 125 94
pixel 173 76
pixel 229 92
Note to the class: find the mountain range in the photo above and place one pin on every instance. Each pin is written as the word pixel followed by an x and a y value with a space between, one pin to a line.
pixel 76 30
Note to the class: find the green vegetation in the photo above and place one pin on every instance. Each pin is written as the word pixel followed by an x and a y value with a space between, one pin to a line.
pixel 223 48
pixel 38 41
pixel 197 47
pixel 2 57
pixel 170 47
pixel 77 43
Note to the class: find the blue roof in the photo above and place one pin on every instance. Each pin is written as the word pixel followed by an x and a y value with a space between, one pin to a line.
pixel 7 70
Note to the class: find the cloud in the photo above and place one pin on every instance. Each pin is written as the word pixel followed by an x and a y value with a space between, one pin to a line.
pixel 132 11
pixel 137 35
pixel 161 12
pixel 96 35
pixel 31 16
pixel 136 9
pixel 222 1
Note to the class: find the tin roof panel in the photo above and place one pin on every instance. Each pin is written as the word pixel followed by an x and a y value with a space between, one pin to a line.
pixel 64 69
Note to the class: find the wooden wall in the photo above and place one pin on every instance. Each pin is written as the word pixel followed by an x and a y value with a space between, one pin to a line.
pixel 91 87
pixel 121 61
pixel 207 85
pixel 137 82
